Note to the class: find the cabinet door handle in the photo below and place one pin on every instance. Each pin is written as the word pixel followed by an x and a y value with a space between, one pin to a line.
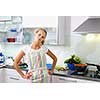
pixel 68 80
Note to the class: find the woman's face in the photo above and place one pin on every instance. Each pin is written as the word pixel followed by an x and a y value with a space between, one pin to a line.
pixel 40 36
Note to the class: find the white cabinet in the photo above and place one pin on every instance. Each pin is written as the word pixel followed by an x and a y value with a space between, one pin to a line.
pixel 39 21
pixel 58 28
pixel 76 21
pixel 61 79
pixel 11 76
pixel 64 28
pixel 50 23
pixel 50 39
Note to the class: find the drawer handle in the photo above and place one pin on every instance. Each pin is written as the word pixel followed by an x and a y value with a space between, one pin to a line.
pixel 14 78
pixel 67 80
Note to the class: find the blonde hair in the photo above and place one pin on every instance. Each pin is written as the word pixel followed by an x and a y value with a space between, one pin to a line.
pixel 38 29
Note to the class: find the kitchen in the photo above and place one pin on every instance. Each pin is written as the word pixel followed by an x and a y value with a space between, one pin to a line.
pixel 66 37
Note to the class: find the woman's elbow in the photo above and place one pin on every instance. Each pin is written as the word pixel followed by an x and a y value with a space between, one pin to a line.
pixel 15 64
pixel 55 59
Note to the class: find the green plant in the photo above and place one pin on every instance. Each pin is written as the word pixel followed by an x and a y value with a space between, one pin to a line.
pixel 73 59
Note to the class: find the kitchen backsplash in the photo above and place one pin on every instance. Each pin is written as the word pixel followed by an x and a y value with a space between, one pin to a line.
pixel 88 49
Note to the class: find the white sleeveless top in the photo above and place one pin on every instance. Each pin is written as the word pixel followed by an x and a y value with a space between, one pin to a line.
pixel 35 58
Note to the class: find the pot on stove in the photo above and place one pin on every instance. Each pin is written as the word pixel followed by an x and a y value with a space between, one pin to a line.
pixel 80 67
pixel 92 71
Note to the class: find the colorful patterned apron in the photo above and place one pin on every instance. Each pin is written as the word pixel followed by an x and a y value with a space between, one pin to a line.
pixel 38 67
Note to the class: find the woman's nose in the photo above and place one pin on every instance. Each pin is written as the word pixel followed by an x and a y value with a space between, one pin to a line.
pixel 40 37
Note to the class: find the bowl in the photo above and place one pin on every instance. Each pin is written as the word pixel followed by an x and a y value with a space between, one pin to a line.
pixel 77 67
pixel 71 66
pixel 49 66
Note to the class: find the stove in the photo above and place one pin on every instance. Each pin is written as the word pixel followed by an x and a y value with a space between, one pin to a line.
pixel 86 73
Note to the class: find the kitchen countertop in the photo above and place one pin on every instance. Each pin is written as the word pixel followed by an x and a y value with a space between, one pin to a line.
pixel 61 73
pixel 11 67
pixel 8 74
pixel 65 74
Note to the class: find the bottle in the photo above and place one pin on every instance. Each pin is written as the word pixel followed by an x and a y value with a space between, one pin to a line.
pixel 2 58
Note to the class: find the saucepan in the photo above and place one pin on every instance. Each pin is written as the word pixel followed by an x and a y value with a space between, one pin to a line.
pixel 80 67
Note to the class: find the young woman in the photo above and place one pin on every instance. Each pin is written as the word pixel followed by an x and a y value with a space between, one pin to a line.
pixel 35 54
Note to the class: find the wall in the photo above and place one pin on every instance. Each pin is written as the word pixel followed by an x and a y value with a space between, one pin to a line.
pixel 60 51
pixel 87 47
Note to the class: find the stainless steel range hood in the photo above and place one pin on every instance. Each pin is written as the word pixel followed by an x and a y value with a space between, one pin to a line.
pixel 90 25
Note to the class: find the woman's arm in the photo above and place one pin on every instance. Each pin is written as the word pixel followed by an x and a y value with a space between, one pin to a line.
pixel 54 58
pixel 16 63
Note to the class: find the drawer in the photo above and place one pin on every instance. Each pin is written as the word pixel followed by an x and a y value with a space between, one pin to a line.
pixel 60 79
pixel 11 76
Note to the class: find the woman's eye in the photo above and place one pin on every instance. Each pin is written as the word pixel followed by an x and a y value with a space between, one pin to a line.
pixel 39 35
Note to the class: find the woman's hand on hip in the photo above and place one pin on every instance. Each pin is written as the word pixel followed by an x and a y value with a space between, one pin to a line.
pixel 50 72
pixel 28 75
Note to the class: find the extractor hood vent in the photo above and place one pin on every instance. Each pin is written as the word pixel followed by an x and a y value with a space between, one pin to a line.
pixel 90 25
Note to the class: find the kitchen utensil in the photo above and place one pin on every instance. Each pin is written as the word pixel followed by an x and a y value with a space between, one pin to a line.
pixel 92 71
pixel 78 67
pixel 71 66
pixel 11 39
pixel 98 66
pixel 13 30
pixel 23 65
pixel 2 58
pixel 49 66
pixel 9 61
pixel 81 69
